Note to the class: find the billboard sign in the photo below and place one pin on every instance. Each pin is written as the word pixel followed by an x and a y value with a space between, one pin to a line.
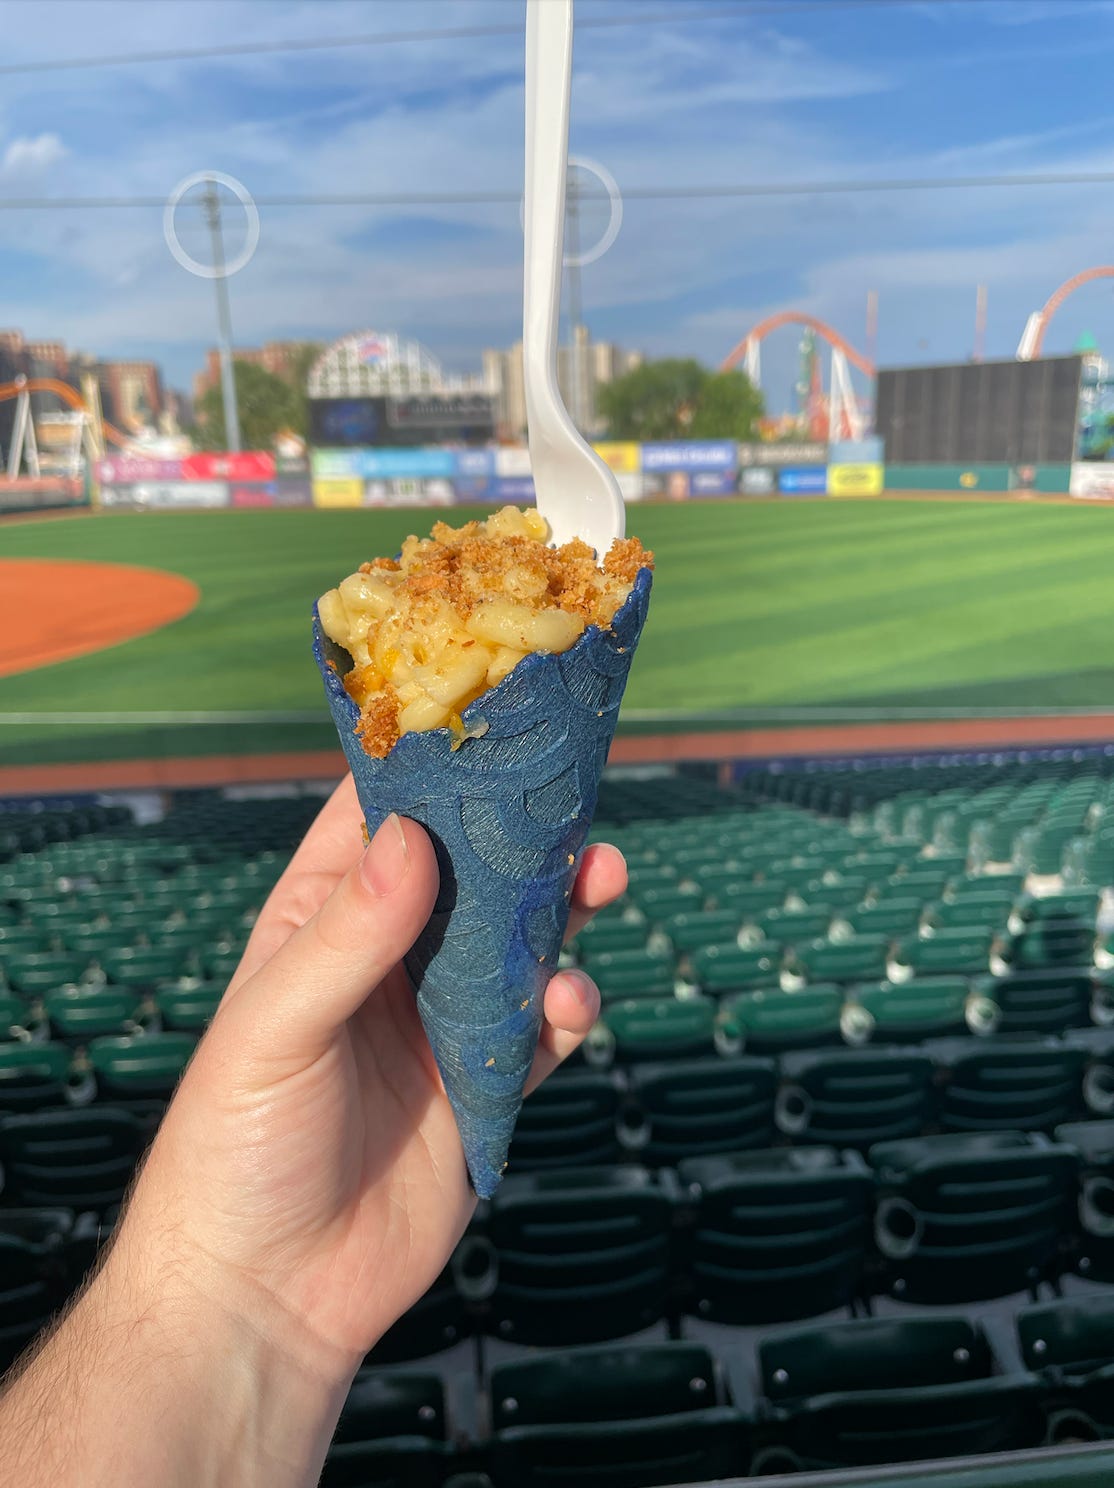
pixel 757 480
pixel 247 465
pixel 407 491
pixel 474 464
pixel 341 491
pixel 856 451
pixel 623 456
pixel 122 470
pixel 513 490
pixel 383 464
pixel 712 483
pixel 1092 480
pixel 803 452
pixel 253 493
pixel 690 454
pixel 178 494
pixel 855 480
pixel 804 481
pixel 439 411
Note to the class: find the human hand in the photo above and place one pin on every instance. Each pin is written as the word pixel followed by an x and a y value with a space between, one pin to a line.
pixel 309 1165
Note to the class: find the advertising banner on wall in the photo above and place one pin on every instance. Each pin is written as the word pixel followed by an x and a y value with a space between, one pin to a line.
pixel 757 480
pixel 623 456
pixel 801 452
pixel 512 490
pixel 383 464
pixel 1092 480
pixel 856 451
pixel 246 465
pixel 253 493
pixel 855 480
pixel 181 495
pixel 690 454
pixel 404 491
pixel 293 490
pixel 123 470
pixel 803 481
pixel 342 491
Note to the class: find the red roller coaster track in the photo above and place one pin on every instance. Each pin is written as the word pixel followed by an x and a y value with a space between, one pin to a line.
pixel 66 393
pixel 797 317
pixel 1057 298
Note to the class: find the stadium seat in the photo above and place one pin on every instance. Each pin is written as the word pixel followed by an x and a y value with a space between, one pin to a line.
pixel 891 916
pixel 1093 1142
pixel 627 1416
pixel 962 951
pixel 616 933
pixel 144 1068
pixel 392 1430
pixel 964 1217
pixel 690 1108
pixel 792 927
pixel 18 1018
pixel 569 1121
pixel 652 1028
pixel 1070 1343
pixel 983 909
pixel 855 1097
pixel 1008 1083
pixel 578 1255
pixel 77 1014
pixel 188 1006
pixel 439 1320
pixel 769 1021
pixel 34 972
pixel 862 958
pixel 727 890
pixel 635 973
pixel 776 1235
pixel 717 969
pixel 905 1012
pixel 688 932
pixel 1044 1001
pixel 874 1392
pixel 80 1159
pixel 35 1273
pixel 33 1075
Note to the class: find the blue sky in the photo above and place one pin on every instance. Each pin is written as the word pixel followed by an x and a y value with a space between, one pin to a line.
pixel 764 93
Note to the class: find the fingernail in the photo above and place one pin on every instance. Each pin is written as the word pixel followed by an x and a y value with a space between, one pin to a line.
pixel 387 859
pixel 580 987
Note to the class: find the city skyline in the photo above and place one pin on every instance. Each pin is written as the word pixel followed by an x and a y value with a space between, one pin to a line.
pixel 829 94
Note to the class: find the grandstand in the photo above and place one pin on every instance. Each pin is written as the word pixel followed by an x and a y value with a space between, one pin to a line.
pixel 829 1185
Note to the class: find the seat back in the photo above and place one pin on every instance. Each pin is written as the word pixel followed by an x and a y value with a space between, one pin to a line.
pixel 691 1107
pixel 568 1121
pixel 82 1159
pixel 855 1097
pixel 776 1235
pixel 1007 1083
pixel 581 1255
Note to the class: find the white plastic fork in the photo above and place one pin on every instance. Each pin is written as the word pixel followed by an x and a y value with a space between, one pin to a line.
pixel 576 492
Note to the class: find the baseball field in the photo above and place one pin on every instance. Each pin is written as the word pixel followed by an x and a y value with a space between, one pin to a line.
pixel 764 612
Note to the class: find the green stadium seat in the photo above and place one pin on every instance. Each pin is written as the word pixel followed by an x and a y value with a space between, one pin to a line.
pixel 791 927
pixel 926 1007
pixel 1005 884
pixel 19 1019
pixel 220 965
pixel 1040 1001
pixel 717 969
pixel 188 1006
pixel 36 972
pixel 661 904
pixel 1007 1083
pixel 34 1282
pixel 77 1014
pixel 392 1430
pixel 1068 1343
pixel 775 1235
pixel 690 1108
pixel 963 951
pixel 769 1020
pixel 749 898
pixel 689 932
pixel 880 1391
pixel 578 1255
pixel 855 1097
pixel 896 916
pixel 839 891
pixel 862 958
pixel 35 1075
pixel 1045 943
pixel 92 941
pixel 1093 1143
pixel 627 1417
pixel 1070 906
pixel 960 1218
pixel 987 910
pixel 145 1068
pixel 142 967
pixel 612 934
pixel 921 883
pixel 21 940
pixel 80 1159
pixel 569 1121
pixel 624 974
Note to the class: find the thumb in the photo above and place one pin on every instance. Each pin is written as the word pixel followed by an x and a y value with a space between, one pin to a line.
pixel 293 1006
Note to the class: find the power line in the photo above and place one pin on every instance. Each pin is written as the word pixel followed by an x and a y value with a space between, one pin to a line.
pixel 631 193
pixel 739 8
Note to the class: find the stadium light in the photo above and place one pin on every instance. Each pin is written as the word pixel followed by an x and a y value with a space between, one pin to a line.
pixel 219 271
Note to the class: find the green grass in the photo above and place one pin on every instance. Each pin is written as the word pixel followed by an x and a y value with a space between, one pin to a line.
pixel 758 606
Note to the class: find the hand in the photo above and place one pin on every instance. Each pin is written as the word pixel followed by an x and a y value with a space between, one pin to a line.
pixel 309 1166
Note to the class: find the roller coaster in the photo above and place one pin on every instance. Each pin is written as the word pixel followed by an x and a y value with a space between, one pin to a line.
pixel 91 429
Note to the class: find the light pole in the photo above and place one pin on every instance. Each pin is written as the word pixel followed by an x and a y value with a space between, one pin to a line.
pixel 220 271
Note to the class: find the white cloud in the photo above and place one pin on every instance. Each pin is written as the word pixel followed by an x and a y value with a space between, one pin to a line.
pixel 30 155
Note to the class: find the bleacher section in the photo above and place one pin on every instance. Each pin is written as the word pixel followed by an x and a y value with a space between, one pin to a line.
pixel 830 1185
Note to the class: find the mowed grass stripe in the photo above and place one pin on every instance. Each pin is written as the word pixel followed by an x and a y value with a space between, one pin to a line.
pixel 772 603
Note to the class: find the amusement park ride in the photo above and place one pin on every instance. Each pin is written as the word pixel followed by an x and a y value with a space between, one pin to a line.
pixel 839 413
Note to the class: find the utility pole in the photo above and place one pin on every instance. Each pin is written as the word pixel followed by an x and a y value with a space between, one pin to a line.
pixel 210 203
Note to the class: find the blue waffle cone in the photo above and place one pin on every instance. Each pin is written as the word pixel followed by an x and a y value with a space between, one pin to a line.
pixel 508 813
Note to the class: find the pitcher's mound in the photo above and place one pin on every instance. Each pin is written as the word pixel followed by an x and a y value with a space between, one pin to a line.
pixel 52 611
